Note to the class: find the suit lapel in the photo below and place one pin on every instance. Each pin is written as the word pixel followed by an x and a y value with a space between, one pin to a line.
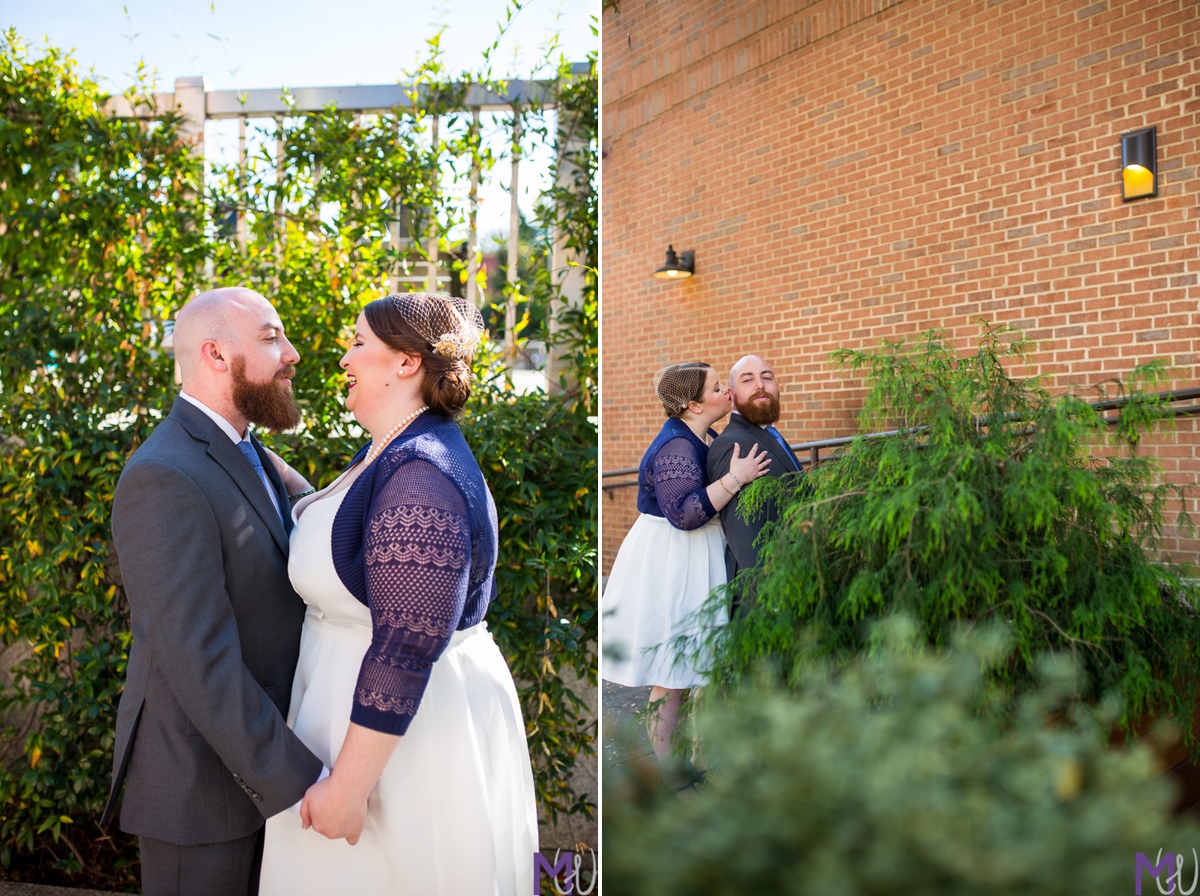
pixel 768 443
pixel 793 462
pixel 224 452
pixel 227 454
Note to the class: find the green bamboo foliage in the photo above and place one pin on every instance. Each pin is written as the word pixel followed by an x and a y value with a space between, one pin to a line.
pixel 106 228
pixel 992 502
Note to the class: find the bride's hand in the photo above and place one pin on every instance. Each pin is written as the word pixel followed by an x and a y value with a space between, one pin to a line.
pixel 337 806
pixel 292 480
pixel 746 469
pixel 329 811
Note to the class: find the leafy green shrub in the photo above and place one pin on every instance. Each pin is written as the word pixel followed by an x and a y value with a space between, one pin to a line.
pixel 105 231
pixel 893 774
pixel 544 617
pixel 98 221
pixel 992 502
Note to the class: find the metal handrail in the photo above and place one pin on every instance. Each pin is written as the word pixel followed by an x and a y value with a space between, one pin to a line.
pixel 627 472
pixel 814 448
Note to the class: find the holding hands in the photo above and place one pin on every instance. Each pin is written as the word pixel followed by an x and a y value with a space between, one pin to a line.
pixel 337 806
pixel 334 810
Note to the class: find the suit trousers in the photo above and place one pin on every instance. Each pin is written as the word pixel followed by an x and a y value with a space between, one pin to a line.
pixel 230 868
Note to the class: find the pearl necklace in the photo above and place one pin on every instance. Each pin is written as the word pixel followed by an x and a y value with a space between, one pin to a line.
pixel 392 433
pixel 702 438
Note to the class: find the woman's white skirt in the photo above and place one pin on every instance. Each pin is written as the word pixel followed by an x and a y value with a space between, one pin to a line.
pixel 453 812
pixel 661 577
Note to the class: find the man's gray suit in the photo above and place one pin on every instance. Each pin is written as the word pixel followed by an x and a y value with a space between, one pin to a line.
pixel 740 552
pixel 201 742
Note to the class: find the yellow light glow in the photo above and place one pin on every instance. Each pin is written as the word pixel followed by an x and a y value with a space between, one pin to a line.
pixel 670 275
pixel 1139 181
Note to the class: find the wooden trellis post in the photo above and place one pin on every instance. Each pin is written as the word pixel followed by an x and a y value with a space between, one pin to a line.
pixel 431 245
pixel 473 214
pixel 189 97
pixel 280 226
pixel 514 247
pixel 568 277
pixel 242 223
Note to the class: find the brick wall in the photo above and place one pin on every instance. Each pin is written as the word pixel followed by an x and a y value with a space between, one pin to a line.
pixel 849 171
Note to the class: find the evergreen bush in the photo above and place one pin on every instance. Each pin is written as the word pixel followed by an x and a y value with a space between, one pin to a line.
pixel 899 773
pixel 992 501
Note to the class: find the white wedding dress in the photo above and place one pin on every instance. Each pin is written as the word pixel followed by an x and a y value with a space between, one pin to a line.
pixel 453 813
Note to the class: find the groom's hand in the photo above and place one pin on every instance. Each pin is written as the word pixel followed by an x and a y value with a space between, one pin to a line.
pixel 331 811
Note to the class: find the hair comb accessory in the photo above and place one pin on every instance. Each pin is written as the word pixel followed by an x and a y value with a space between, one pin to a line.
pixel 678 384
pixel 452 326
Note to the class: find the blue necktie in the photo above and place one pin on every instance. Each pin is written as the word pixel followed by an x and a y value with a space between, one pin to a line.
pixel 252 456
pixel 786 448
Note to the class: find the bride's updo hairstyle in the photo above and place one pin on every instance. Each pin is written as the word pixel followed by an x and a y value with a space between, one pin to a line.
pixel 443 330
pixel 679 385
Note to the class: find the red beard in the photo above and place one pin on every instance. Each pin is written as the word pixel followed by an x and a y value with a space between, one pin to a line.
pixel 760 414
pixel 268 404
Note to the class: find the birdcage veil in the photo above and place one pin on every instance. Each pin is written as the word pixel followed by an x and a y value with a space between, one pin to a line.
pixel 678 384
pixel 452 326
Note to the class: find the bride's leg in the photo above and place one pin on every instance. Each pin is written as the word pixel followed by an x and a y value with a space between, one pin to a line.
pixel 662 719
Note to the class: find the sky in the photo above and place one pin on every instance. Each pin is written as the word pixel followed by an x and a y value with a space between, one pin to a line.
pixel 249 44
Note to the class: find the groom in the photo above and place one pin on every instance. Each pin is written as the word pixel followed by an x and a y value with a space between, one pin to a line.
pixel 200 523
pixel 755 394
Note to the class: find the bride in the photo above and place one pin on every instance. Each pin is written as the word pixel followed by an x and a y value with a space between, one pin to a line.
pixel 400 689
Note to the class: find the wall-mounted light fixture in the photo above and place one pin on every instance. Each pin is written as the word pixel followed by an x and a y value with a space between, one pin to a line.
pixel 678 267
pixel 1139 165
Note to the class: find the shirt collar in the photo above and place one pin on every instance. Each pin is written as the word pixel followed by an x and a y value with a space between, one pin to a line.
pixel 225 426
pixel 748 423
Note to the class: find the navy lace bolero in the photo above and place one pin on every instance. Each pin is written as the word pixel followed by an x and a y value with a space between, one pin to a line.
pixel 671 478
pixel 415 540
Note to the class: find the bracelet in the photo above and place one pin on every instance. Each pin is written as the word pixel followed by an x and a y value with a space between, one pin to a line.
pixel 311 491
pixel 727 491
pixel 738 481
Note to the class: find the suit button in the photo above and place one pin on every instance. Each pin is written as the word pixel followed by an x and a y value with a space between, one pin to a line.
pixel 257 798
pixel 238 778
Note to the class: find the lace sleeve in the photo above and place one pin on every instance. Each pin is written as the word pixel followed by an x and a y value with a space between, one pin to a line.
pixel 418 556
pixel 679 485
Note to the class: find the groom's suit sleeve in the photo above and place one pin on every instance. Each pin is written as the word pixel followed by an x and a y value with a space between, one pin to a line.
pixel 169 542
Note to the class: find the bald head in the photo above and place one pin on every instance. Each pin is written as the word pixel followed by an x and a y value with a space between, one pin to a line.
pixel 228 317
pixel 235 359
pixel 755 390
pixel 749 363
